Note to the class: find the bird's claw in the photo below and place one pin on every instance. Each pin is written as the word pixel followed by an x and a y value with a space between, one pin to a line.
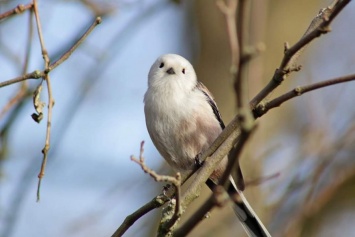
pixel 198 162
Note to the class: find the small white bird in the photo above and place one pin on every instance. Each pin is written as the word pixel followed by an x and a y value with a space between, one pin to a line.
pixel 183 120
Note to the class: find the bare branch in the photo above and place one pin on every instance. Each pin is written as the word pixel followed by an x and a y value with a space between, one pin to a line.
pixel 50 98
pixel 23 90
pixel 66 55
pixel 261 180
pixel 33 75
pixel 17 10
pixel 156 202
pixel 261 109
pixel 229 11
pixel 159 178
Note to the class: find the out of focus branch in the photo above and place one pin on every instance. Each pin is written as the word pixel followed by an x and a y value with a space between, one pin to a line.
pixel 237 14
pixel 17 10
pixel 23 90
pixel 229 9
pixel 311 207
pixel 319 25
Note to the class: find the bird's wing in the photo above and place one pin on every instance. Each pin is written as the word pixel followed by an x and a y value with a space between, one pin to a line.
pixel 211 101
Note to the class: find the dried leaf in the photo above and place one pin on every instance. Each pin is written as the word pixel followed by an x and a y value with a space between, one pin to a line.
pixel 38 104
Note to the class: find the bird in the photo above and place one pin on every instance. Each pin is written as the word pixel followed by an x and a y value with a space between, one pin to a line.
pixel 183 120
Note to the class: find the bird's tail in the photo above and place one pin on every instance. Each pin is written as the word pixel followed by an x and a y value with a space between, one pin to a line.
pixel 249 220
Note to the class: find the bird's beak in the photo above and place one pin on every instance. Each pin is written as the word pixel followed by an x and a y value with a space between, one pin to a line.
pixel 170 71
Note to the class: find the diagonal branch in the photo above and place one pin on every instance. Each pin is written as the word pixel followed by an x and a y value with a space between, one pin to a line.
pixel 156 202
pixel 67 54
pixel 319 25
pixel 261 109
pixel 17 10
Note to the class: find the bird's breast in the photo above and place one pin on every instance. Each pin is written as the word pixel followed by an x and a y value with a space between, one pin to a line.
pixel 180 129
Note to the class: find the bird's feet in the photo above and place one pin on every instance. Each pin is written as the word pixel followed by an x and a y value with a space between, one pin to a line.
pixel 198 161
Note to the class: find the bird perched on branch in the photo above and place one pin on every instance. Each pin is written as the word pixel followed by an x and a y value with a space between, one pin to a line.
pixel 183 121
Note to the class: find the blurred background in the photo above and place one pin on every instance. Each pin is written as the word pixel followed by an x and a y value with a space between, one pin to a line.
pixel 91 185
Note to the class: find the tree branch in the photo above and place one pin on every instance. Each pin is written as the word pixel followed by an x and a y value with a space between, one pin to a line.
pixel 261 109
pixel 319 25
pixel 156 202
pixel 67 54
pixel 17 10
pixel 23 90
pixel 46 77
pixel 33 75
pixel 219 198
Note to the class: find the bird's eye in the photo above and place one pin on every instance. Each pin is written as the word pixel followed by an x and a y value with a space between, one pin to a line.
pixel 183 70
pixel 161 65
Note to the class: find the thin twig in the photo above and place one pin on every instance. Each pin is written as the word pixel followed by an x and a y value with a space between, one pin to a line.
pixel 159 178
pixel 176 181
pixel 17 10
pixel 66 55
pixel 40 35
pixel 258 181
pixel 46 77
pixel 261 109
pixel 33 75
